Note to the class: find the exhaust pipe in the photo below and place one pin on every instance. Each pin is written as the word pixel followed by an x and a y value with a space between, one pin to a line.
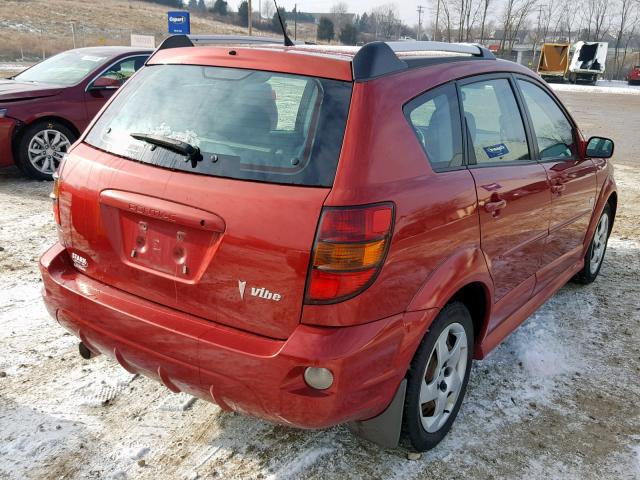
pixel 85 352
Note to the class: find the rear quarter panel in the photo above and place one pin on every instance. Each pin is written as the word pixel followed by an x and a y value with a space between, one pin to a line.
pixel 437 225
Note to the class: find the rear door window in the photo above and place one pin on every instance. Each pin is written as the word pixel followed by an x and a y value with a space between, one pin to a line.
pixel 247 124
pixel 552 129
pixel 435 117
pixel 495 127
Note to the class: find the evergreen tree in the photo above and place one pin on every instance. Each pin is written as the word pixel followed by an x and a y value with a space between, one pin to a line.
pixel 275 21
pixel 243 13
pixel 222 8
pixel 325 29
pixel 193 4
pixel 349 34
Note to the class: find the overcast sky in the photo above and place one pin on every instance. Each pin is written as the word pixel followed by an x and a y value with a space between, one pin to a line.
pixel 406 8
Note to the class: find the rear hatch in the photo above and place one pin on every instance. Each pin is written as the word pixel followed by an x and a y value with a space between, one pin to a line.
pixel 225 233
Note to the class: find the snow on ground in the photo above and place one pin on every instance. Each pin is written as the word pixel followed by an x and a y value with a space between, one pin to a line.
pixel 602 86
pixel 557 399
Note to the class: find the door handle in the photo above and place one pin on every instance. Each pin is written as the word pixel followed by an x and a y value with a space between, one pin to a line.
pixel 493 207
pixel 558 188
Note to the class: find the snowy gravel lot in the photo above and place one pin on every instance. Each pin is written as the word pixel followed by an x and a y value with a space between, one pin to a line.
pixel 560 398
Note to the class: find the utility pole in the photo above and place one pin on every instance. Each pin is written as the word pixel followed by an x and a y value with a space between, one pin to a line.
pixel 420 9
pixel 250 17
pixel 295 23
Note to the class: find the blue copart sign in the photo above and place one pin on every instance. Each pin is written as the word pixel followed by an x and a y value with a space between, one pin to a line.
pixel 179 22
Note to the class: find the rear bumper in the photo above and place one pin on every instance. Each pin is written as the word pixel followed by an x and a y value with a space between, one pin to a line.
pixel 7 126
pixel 237 370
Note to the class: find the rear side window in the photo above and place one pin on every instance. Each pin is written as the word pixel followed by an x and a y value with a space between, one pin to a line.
pixel 248 124
pixel 435 117
pixel 553 131
pixel 124 69
pixel 494 124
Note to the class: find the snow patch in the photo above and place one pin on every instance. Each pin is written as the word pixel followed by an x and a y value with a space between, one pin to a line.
pixel 103 389
pixel 305 460
pixel 178 402
pixel 134 452
pixel 602 86
pixel 29 438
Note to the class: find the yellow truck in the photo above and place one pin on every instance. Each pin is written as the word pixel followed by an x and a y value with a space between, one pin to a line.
pixel 554 61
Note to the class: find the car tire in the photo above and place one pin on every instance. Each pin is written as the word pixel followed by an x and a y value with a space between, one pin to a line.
pixel 597 248
pixel 41 147
pixel 436 385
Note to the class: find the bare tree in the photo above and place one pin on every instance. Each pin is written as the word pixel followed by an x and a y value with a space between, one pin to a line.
pixel 515 15
pixel 446 16
pixel 597 17
pixel 338 15
pixel 485 7
pixel 571 21
pixel 628 17
pixel 387 21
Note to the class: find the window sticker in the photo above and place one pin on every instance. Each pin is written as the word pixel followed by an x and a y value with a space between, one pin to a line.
pixel 497 150
pixel 90 58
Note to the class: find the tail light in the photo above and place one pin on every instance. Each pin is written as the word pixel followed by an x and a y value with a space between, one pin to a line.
pixel 349 250
pixel 54 195
pixel 55 192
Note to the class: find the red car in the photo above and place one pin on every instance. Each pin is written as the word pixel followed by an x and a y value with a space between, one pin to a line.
pixel 634 75
pixel 316 235
pixel 44 109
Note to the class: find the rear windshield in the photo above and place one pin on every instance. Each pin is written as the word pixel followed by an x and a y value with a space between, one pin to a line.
pixel 247 124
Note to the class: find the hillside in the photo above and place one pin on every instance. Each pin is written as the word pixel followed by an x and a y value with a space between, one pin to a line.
pixel 31 28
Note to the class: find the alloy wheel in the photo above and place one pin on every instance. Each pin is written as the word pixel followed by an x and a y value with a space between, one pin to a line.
pixel 46 149
pixel 599 243
pixel 443 377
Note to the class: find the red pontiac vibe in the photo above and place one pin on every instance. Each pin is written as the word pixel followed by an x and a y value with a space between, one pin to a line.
pixel 44 109
pixel 323 235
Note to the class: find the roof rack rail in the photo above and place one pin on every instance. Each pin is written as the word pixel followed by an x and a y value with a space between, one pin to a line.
pixel 178 41
pixel 379 58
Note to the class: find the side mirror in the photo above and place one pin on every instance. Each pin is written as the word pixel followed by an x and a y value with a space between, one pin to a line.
pixel 599 147
pixel 105 83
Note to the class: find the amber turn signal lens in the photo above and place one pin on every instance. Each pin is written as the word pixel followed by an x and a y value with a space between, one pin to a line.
pixel 346 256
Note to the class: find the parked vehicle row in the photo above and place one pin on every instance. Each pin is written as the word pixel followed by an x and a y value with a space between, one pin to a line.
pixel 44 109
pixel 318 236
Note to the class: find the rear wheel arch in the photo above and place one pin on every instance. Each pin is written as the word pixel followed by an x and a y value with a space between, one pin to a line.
pixel 476 298
pixel 612 201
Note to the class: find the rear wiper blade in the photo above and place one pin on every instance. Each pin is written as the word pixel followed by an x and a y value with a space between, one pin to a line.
pixel 190 151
